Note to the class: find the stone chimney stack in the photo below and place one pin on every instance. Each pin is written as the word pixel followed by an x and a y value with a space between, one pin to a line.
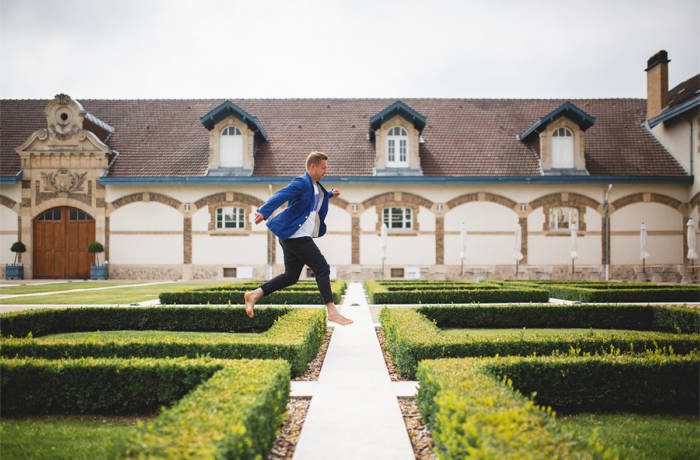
pixel 657 83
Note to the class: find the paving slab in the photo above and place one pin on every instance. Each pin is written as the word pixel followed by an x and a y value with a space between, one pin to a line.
pixel 354 413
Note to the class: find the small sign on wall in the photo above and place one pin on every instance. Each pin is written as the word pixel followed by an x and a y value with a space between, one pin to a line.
pixel 244 272
pixel 411 273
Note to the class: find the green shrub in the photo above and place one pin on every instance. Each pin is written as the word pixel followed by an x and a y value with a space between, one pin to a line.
pixel 295 335
pixel 231 409
pixel 609 294
pixel 233 294
pixel 473 412
pixel 378 293
pixel 412 337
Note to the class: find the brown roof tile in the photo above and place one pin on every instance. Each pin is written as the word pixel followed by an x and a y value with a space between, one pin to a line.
pixel 463 137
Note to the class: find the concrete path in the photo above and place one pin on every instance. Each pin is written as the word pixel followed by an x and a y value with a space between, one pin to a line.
pixel 354 413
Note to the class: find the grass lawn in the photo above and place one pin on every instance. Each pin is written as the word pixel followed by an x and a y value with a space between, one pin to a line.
pixel 119 296
pixel 107 335
pixel 642 436
pixel 65 437
pixel 535 332
pixel 61 286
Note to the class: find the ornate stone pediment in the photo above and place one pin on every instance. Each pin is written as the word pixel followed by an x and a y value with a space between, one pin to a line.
pixel 63 181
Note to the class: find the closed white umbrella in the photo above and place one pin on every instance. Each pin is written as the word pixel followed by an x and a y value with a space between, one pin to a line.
pixel 517 253
pixel 692 253
pixel 462 244
pixel 573 252
pixel 643 253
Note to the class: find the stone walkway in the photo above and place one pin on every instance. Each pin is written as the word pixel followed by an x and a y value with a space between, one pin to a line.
pixel 354 413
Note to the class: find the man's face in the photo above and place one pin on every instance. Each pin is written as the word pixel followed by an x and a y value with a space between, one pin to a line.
pixel 317 171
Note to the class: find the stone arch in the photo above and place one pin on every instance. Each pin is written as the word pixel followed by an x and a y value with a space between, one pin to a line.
pixel 481 196
pixel 644 197
pixel 145 197
pixel 694 201
pixel 8 202
pixel 235 197
pixel 46 205
pixel 563 199
pixel 397 197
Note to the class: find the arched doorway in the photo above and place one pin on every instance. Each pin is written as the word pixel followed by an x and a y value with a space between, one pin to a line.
pixel 61 239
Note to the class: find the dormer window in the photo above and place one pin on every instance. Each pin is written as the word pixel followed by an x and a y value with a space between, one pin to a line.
pixel 562 148
pixel 397 147
pixel 231 148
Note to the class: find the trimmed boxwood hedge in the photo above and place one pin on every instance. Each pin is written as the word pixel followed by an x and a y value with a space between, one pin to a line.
pixel 593 291
pixel 230 409
pixel 233 295
pixel 379 293
pixel 294 334
pixel 473 412
pixel 412 337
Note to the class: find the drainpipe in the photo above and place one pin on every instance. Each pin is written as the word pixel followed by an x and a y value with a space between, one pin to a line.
pixel 690 122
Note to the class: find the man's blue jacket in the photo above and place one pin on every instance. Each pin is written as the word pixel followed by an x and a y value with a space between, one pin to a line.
pixel 300 195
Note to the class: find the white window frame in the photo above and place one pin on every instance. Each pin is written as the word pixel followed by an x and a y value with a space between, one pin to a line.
pixel 397 147
pixel 231 147
pixel 397 218
pixel 562 148
pixel 233 221
pixel 561 218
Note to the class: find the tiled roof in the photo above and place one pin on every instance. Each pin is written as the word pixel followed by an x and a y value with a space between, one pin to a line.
pixel 463 137
pixel 683 91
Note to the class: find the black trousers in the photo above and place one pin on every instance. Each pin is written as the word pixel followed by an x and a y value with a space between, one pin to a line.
pixel 297 253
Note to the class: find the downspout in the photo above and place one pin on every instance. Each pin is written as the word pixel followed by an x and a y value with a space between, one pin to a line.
pixel 690 122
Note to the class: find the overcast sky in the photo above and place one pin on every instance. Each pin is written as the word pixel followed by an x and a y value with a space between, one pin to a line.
pixel 355 48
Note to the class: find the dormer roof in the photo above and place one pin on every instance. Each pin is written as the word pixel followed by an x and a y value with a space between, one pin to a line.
pixel 398 108
pixel 228 108
pixel 568 110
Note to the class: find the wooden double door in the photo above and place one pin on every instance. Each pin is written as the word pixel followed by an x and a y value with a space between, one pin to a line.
pixel 61 239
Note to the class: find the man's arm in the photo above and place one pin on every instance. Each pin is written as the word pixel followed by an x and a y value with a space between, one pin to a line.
pixel 281 196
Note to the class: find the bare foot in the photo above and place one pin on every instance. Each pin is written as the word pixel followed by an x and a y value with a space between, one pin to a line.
pixel 250 298
pixel 338 318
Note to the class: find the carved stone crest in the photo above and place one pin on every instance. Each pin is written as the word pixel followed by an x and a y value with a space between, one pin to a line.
pixel 63 181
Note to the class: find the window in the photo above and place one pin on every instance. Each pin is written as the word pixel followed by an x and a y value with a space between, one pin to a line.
pixel 231 147
pixel 397 272
pixel 561 218
pixel 562 148
pixel 77 214
pixel 230 218
pixel 398 218
pixel 397 147
pixel 51 214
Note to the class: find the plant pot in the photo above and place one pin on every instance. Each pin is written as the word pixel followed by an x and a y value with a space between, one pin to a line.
pixel 14 272
pixel 98 272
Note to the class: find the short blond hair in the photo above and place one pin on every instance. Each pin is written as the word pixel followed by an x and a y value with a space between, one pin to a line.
pixel 315 158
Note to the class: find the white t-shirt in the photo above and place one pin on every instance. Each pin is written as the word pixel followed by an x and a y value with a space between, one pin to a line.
pixel 311 225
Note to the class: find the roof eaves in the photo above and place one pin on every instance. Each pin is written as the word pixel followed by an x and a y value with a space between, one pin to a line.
pixel 675 111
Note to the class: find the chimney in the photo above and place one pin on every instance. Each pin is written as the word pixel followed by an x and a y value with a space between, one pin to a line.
pixel 657 83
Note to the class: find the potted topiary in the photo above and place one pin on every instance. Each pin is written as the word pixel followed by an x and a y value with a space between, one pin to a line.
pixel 15 270
pixel 97 271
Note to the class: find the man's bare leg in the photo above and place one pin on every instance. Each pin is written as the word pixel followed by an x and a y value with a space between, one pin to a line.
pixel 250 297
pixel 335 316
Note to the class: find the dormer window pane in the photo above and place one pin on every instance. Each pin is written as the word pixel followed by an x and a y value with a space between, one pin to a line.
pixel 562 148
pixel 399 135
pixel 231 148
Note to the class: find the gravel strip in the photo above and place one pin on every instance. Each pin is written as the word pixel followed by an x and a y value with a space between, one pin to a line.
pixel 395 377
pixel 421 439
pixel 286 441
pixel 314 368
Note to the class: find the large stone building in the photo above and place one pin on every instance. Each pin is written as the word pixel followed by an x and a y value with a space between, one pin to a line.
pixel 169 186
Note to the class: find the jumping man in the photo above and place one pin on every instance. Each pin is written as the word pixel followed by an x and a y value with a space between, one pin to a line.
pixel 296 226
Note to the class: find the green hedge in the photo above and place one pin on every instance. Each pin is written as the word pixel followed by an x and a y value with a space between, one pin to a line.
pixel 230 409
pixel 473 412
pixel 585 294
pixel 295 335
pixel 230 295
pixel 412 337
pixel 661 318
pixel 380 294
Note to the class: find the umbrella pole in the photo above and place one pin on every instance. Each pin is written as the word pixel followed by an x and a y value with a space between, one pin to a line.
pixel 572 267
pixel 516 268
pixel 644 270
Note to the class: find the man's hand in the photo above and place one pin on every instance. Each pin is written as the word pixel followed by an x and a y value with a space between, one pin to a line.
pixel 336 192
pixel 258 218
